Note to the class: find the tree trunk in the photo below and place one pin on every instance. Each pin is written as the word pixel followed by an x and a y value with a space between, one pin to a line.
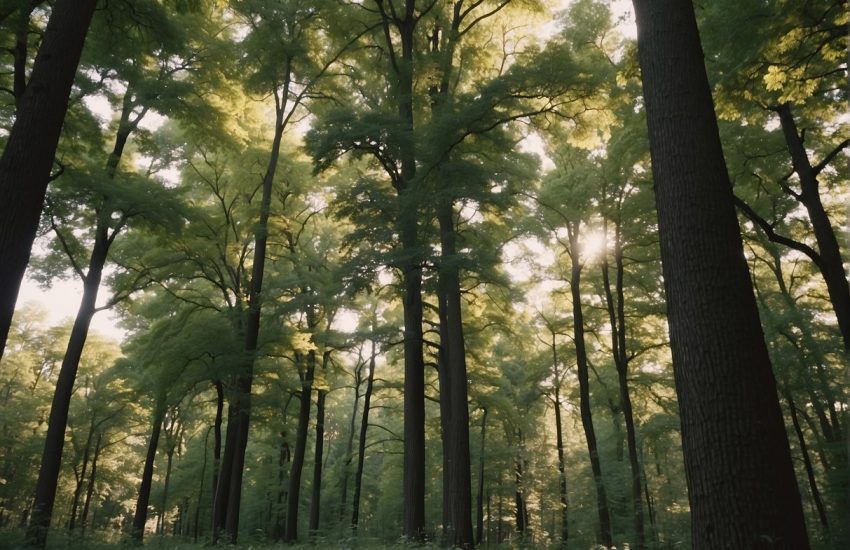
pixel 293 500
pixel 807 461
pixel 562 470
pixel 163 506
pixel 51 460
pixel 219 410
pixel 604 533
pixel 90 489
pixel 741 483
pixel 197 526
pixel 26 164
pixel 361 442
pixel 479 527
pixel 78 489
pixel 831 264
pixel 141 515
pixel 459 499
pixel 226 515
pixel 617 319
pixel 315 498
pixel 349 447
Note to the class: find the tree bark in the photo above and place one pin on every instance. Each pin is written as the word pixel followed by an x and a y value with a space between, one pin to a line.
pixel 228 499
pixel 603 514
pixel 617 319
pixel 90 489
pixel 141 515
pixel 479 527
pixel 293 500
pixel 51 459
pixel 831 264
pixel 741 483
pixel 315 498
pixel 807 461
pixel 361 442
pixel 459 499
pixel 28 157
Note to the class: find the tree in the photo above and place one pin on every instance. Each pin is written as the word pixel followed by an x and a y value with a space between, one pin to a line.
pixel 28 158
pixel 740 479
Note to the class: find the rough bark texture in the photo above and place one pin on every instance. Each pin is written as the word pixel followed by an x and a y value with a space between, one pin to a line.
pixel 741 482
pixel 28 155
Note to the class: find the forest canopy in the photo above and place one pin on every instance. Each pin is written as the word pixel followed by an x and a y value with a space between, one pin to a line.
pixel 463 273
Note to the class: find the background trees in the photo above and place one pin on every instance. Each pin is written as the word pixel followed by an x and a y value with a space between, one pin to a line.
pixel 394 269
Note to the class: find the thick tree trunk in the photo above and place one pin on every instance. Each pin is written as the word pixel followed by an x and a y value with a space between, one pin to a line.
pixel 219 410
pixel 361 442
pixel 741 483
pixel 603 514
pixel 141 515
pixel 28 158
pixel 293 499
pixel 55 440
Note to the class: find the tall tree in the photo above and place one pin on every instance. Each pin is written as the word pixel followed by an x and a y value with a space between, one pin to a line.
pixel 741 482
pixel 28 158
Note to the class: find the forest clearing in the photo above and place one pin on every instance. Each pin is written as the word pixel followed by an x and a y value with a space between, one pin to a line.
pixel 424 274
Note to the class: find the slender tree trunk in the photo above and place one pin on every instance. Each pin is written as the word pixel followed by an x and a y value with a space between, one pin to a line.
pixel 602 507
pixel 741 483
pixel 226 515
pixel 617 319
pixel 519 497
pixel 164 503
pixel 197 527
pixel 315 498
pixel 90 489
pixel 78 489
pixel 293 499
pixel 459 498
pixel 51 459
pixel 349 447
pixel 831 263
pixel 562 470
pixel 479 527
pixel 25 168
pixel 361 442
pixel 219 410
pixel 141 515
pixel 807 462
